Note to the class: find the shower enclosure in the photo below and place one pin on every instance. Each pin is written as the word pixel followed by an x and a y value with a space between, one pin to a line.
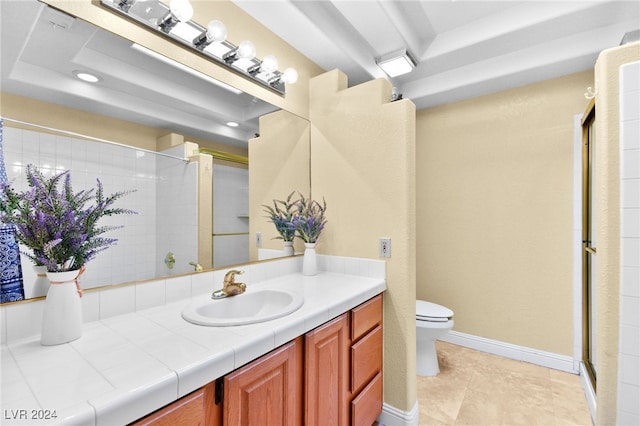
pixel 589 265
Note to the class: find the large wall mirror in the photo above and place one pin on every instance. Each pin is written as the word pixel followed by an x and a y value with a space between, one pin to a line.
pixel 113 129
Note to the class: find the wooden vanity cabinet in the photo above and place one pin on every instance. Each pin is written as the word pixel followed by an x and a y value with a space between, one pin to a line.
pixel 330 376
pixel 343 368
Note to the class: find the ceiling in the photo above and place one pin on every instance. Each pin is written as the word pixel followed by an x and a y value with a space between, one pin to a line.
pixel 463 49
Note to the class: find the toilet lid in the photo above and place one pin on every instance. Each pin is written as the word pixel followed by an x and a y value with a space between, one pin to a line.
pixel 432 311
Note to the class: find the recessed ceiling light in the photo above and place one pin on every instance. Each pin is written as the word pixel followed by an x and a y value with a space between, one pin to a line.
pixel 232 124
pixel 88 77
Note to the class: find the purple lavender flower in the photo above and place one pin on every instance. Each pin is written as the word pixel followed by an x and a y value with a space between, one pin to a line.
pixel 309 220
pixel 59 226
pixel 282 215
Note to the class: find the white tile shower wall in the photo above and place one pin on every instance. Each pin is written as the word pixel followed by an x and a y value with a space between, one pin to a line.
pixel 176 215
pixel 119 168
pixel 629 349
pixel 22 320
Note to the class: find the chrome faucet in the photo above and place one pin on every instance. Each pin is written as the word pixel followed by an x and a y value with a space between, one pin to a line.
pixel 230 287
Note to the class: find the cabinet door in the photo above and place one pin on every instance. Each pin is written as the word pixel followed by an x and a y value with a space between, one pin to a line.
pixel 190 410
pixel 268 391
pixel 327 374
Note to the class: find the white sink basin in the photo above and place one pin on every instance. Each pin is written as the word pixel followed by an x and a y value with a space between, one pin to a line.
pixel 248 308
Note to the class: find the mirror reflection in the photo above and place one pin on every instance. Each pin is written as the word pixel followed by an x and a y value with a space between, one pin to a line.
pixel 161 182
pixel 149 106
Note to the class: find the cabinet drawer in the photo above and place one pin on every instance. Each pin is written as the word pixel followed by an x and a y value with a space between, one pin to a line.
pixel 366 317
pixel 366 359
pixel 367 406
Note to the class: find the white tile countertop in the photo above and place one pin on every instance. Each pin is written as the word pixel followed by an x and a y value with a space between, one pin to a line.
pixel 126 366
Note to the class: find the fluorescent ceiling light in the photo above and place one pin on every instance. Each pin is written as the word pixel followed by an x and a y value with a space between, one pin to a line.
pixel 184 68
pixel 397 63
pixel 232 124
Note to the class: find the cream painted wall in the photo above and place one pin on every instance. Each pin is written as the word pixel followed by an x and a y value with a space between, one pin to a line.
pixel 77 121
pixel 363 163
pixel 608 224
pixel 494 209
pixel 279 161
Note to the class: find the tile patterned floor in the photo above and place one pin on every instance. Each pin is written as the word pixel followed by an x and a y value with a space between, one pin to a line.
pixel 476 388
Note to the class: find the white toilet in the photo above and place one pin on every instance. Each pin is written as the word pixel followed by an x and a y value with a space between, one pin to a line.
pixel 432 321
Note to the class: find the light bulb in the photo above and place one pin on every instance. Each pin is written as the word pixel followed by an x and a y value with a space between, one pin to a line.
pixel 216 32
pixel 246 50
pixel 290 76
pixel 181 9
pixel 269 64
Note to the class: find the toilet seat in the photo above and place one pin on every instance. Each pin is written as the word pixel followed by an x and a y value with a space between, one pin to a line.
pixel 432 312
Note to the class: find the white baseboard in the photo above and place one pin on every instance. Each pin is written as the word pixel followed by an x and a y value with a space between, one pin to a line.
pixel 391 416
pixel 508 350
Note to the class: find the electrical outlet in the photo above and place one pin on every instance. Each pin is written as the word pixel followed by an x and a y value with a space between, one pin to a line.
pixel 258 239
pixel 385 247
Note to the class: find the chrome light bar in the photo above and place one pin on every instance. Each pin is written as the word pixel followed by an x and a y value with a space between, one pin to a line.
pixel 174 21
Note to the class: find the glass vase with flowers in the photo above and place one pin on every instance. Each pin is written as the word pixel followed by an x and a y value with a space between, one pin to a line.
pixel 309 222
pixel 282 214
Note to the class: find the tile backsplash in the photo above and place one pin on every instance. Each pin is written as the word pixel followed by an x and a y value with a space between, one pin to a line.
pixel 24 319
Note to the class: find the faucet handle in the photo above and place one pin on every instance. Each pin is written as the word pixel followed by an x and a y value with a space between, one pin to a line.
pixel 230 276
pixel 229 286
pixel 196 266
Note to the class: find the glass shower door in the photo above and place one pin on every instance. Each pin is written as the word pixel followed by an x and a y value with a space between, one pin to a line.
pixel 589 264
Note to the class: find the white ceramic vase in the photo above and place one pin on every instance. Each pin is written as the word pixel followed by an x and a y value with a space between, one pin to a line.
pixel 62 317
pixel 41 284
pixel 309 261
pixel 288 248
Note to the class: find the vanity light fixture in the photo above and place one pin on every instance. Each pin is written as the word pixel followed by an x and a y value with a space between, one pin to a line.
pixel 397 63
pixel 88 77
pixel 216 33
pixel 269 63
pixel 174 21
pixel 289 76
pixel 126 4
pixel 243 54
pixel 179 11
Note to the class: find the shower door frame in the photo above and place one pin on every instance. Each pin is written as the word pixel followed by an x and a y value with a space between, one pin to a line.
pixel 588 252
